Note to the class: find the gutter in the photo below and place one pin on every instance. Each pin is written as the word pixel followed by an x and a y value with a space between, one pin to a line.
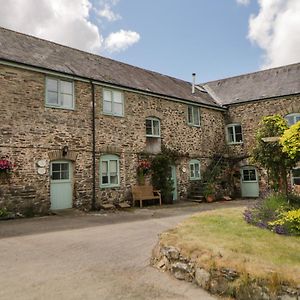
pixel 93 204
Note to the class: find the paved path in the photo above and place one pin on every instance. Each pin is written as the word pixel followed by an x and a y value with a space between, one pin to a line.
pixel 101 256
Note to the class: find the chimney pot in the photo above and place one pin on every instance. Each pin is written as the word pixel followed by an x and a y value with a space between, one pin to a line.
pixel 193 83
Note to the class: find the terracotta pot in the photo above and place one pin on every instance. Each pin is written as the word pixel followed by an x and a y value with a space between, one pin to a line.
pixel 210 198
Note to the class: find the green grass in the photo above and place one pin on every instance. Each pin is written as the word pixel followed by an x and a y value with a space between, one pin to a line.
pixel 224 239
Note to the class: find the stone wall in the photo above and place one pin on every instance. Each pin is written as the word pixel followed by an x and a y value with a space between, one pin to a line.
pixel 223 281
pixel 30 131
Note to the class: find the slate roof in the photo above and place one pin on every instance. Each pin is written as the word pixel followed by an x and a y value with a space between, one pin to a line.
pixel 29 50
pixel 269 83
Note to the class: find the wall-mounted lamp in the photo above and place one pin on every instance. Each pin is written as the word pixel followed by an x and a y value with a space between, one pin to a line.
pixel 65 150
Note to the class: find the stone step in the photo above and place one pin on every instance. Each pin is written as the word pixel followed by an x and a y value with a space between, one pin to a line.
pixel 123 205
pixel 107 206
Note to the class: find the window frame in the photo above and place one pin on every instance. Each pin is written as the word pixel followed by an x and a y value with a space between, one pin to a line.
pixel 192 107
pixel 112 113
pixel 59 93
pixel 234 142
pixel 152 135
pixel 294 177
pixel 194 162
pixel 107 158
pixel 294 115
pixel 249 168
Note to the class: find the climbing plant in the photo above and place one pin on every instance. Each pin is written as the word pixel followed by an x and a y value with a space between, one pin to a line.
pixel 290 142
pixel 270 154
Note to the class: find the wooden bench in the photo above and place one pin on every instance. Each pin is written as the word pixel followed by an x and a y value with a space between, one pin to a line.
pixel 145 192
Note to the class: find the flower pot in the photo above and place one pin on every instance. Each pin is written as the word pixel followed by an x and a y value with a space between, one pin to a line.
pixel 210 198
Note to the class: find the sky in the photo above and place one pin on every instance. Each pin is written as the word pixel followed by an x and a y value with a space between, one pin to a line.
pixel 213 38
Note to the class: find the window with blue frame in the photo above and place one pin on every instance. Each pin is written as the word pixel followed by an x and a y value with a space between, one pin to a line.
pixel 195 173
pixel 109 171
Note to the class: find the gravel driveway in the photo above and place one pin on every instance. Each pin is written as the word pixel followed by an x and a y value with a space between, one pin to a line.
pixel 100 256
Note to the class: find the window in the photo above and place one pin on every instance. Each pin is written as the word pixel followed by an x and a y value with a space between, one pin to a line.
pixel 59 93
pixel 295 176
pixel 292 118
pixel 113 103
pixel 193 116
pixel 60 171
pixel 234 134
pixel 109 171
pixel 249 174
pixel 195 169
pixel 152 127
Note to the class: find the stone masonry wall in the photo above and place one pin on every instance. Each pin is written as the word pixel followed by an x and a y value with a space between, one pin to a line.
pixel 30 131
pixel 249 115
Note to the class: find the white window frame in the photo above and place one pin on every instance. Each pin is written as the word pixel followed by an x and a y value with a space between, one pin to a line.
pixel 294 116
pixel 249 168
pixel 192 122
pixel 234 142
pixel 108 158
pixel 112 112
pixel 59 93
pixel 192 164
pixel 152 119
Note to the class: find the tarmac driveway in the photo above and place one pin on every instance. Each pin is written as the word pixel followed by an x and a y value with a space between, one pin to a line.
pixel 101 256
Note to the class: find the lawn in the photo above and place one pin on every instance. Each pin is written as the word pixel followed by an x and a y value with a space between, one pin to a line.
pixel 222 238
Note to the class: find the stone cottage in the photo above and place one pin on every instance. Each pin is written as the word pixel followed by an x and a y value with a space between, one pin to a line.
pixel 76 125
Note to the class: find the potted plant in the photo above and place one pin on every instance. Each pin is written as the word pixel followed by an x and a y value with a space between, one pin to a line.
pixel 209 192
pixel 143 169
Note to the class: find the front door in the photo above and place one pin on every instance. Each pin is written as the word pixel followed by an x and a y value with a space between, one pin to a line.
pixel 61 185
pixel 174 180
pixel 249 182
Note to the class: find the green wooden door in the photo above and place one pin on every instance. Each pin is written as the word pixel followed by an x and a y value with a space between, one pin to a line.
pixel 61 185
pixel 249 182
pixel 174 180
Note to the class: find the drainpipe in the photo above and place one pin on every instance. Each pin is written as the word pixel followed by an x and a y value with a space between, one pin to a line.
pixel 93 147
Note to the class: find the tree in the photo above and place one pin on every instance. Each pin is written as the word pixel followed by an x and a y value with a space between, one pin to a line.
pixel 290 142
pixel 270 155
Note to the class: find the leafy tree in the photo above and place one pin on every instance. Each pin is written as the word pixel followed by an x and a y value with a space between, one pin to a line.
pixel 290 142
pixel 270 155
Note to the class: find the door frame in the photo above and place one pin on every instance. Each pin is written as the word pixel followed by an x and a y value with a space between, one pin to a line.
pixel 256 181
pixel 61 181
pixel 174 179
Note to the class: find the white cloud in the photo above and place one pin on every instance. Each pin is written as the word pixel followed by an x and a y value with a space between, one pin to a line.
pixel 276 29
pixel 107 13
pixel 121 40
pixel 243 2
pixel 65 22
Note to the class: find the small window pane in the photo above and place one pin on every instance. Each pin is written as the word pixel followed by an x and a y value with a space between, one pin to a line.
pixel 64 167
pixel 230 134
pixel 56 167
pixel 118 109
pixel 104 167
pixel 67 100
pixel 113 179
pixel 113 166
pixel 52 85
pixel 252 175
pixel 190 114
pixel 192 170
pixel 65 175
pixel 55 175
pixel 296 181
pixel 149 127
pixel 296 172
pixel 238 137
pixel 196 116
pixel 197 171
pixel 66 87
pixel 156 127
pixel 107 107
pixel 117 97
pixel 107 96
pixel 52 97
pixel 105 179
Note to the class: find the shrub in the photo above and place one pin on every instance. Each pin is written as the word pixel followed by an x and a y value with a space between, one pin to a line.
pixel 289 220
pixel 3 212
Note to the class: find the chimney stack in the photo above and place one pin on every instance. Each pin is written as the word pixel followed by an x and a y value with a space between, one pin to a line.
pixel 193 83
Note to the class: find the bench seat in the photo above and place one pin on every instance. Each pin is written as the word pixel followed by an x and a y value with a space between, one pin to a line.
pixel 145 192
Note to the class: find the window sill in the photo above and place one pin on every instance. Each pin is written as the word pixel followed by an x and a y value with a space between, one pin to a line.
pixel 237 143
pixel 59 107
pixel 112 115
pixel 195 179
pixel 153 136
pixel 109 186
pixel 193 125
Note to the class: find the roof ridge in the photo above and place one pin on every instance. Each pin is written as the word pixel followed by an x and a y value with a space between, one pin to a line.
pixel 92 54
pixel 250 73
